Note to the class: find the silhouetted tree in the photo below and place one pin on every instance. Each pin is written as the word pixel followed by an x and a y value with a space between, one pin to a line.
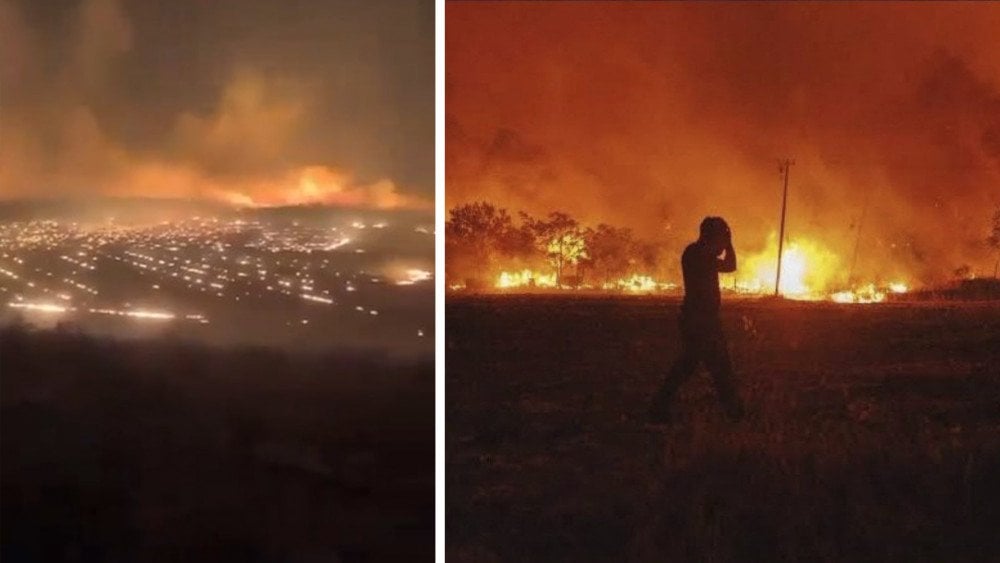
pixel 611 252
pixel 559 237
pixel 476 233
pixel 646 255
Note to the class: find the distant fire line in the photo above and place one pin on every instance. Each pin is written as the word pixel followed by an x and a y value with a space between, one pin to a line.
pixel 142 314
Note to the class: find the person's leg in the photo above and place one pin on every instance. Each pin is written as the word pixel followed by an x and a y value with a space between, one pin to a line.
pixel 684 366
pixel 719 365
pixel 682 369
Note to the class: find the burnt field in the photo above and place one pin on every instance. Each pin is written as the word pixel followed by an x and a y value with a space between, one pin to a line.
pixel 873 433
pixel 165 450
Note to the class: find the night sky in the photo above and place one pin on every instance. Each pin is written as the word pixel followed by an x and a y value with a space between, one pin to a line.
pixel 247 101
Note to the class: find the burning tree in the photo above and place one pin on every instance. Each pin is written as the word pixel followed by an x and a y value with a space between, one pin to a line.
pixel 560 238
pixel 477 232
pixel 482 240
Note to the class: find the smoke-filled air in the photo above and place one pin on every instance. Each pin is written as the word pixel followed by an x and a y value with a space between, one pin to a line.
pixel 245 103
pixel 646 118
pixel 235 171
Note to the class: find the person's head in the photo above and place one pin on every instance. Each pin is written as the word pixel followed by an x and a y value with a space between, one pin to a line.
pixel 715 233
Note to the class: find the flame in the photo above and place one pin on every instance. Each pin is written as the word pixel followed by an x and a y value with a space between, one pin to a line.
pixel 867 293
pixel 136 314
pixel 41 307
pixel 570 248
pixel 525 278
pixel 406 272
pixel 305 185
pixel 635 283
pixel 808 270
pixel 414 275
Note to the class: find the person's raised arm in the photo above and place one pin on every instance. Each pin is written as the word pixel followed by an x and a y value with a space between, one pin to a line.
pixel 728 263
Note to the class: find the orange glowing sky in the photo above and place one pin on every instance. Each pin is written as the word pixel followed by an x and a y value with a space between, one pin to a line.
pixel 251 102
pixel 655 115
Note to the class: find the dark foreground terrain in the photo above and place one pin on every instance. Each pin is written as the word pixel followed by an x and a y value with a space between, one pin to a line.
pixel 873 434
pixel 162 450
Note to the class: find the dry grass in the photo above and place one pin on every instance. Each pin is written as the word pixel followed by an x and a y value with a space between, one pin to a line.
pixel 874 434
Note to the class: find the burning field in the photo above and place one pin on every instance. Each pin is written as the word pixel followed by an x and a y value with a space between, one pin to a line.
pixel 586 142
pixel 488 251
pixel 873 432
pixel 648 117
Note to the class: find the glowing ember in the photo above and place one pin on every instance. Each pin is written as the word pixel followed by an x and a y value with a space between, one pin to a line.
pixel 40 307
pixel 414 275
pixel 809 271
pixel 317 298
pixel 337 244
pixel 136 314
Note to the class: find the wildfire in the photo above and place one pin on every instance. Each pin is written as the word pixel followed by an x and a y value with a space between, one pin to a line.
pixel 52 308
pixel 136 314
pixel 638 283
pixel 525 278
pixel 40 307
pixel 809 271
pixel 414 275
pixel 635 283
pixel 568 248
pixel 869 293
pixel 865 294
pixel 405 273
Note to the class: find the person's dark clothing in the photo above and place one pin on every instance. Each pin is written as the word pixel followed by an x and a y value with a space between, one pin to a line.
pixel 701 280
pixel 702 339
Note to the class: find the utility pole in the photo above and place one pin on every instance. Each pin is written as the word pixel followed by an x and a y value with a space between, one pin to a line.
pixel 783 167
pixel 857 242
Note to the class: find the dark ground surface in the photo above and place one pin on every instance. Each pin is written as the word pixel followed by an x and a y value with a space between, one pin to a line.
pixel 161 450
pixel 873 433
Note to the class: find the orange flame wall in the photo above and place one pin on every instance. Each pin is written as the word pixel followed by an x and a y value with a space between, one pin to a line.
pixel 654 115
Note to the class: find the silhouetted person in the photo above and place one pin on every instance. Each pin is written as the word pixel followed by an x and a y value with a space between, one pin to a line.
pixel 701 329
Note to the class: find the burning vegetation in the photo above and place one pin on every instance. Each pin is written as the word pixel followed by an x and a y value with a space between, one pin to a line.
pixel 652 115
pixel 488 250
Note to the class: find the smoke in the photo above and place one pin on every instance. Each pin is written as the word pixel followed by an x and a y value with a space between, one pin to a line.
pixel 72 126
pixel 654 116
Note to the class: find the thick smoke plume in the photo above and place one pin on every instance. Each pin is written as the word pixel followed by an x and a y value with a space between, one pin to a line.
pixel 92 104
pixel 653 116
